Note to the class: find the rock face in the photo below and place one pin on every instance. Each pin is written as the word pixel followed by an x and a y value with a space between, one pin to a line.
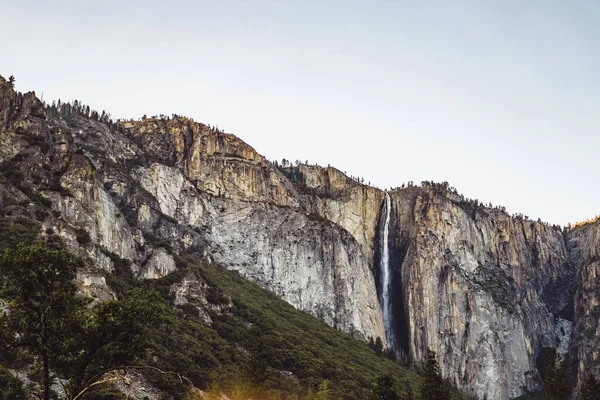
pixel 129 197
pixel 485 291
pixel 585 241
pixel 488 292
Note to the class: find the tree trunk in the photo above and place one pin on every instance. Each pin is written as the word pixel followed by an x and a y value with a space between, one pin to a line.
pixel 46 375
pixel 45 360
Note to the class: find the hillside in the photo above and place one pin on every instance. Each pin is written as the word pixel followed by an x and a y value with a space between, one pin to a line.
pixel 218 328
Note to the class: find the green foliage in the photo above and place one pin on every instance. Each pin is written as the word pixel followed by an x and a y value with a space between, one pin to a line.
pixel 590 388
pixel 114 334
pixel 17 230
pixel 384 388
pixel 433 387
pixel 554 379
pixel 257 345
pixel 324 392
pixel 349 365
pixel 11 387
pixel 82 236
pixel 47 319
pixel 378 347
pixel 43 310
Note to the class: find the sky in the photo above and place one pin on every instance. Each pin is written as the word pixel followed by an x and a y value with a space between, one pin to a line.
pixel 499 98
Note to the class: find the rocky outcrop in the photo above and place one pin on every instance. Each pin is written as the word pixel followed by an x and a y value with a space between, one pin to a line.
pixel 217 163
pixel 332 195
pixel 311 263
pixel 160 264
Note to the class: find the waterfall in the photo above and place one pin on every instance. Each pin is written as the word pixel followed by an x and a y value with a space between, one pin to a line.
pixel 386 279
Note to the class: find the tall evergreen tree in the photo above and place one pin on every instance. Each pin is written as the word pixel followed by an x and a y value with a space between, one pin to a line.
pixel 433 385
pixel 48 319
pixel 324 392
pixel 44 309
pixel 116 332
pixel 554 379
pixel 590 388
pixel 378 346
pixel 384 388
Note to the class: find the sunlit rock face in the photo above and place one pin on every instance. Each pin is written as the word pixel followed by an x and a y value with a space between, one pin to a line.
pixel 486 291
pixel 330 194
pixel 252 218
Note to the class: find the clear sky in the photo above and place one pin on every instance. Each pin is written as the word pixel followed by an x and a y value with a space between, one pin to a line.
pixel 499 98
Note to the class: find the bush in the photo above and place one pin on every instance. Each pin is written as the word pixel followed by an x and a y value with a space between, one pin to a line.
pixel 83 237
pixel 11 387
pixel 18 230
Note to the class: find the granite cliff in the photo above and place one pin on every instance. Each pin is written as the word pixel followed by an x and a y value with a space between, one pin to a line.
pixel 488 292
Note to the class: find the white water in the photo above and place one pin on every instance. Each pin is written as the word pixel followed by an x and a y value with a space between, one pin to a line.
pixel 386 280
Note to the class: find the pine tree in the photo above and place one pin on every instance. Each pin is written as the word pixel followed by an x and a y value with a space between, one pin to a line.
pixel 324 392
pixel 590 389
pixel 49 320
pixel 554 378
pixel 378 346
pixel 433 386
pixel 44 309
pixel 384 388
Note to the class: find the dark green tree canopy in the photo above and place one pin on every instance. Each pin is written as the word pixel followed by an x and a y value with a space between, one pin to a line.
pixel 590 388
pixel 433 385
pixel 43 309
pixel 46 317
pixel 555 379
pixel 11 387
pixel 384 388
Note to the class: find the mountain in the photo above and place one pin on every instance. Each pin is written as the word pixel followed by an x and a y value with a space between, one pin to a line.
pixel 489 292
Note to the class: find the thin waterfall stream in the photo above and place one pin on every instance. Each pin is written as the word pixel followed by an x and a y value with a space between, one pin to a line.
pixel 386 278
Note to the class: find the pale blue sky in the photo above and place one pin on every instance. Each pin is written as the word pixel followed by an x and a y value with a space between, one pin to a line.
pixel 499 98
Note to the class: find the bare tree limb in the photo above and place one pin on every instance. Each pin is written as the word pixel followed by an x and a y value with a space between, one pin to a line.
pixel 97 379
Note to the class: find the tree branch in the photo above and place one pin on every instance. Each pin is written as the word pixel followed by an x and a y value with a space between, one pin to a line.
pixel 96 380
